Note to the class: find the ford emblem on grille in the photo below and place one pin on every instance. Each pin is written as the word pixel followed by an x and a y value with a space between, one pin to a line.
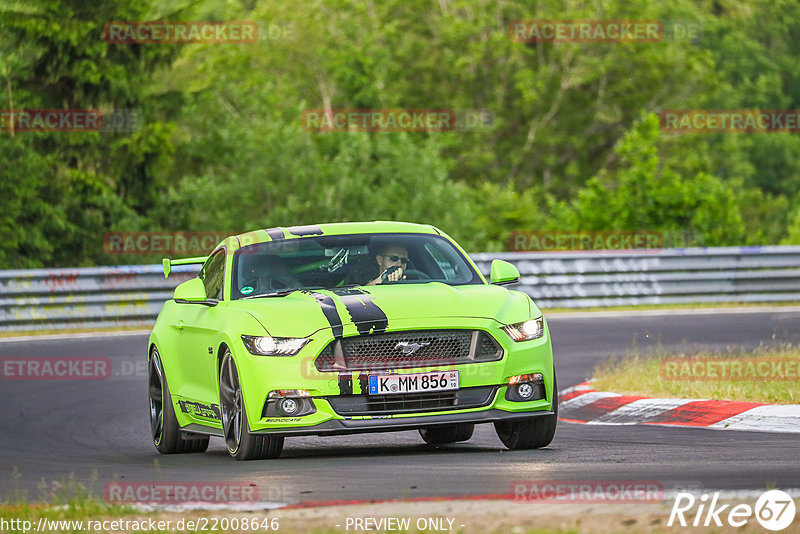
pixel 410 348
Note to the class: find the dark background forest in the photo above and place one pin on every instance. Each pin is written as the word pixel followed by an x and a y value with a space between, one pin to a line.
pixel 574 143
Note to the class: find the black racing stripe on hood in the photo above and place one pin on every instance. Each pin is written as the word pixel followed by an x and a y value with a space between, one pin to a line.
pixel 275 233
pixel 366 315
pixel 331 314
pixel 305 230
pixel 344 380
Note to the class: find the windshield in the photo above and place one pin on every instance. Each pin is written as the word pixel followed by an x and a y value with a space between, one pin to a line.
pixel 324 262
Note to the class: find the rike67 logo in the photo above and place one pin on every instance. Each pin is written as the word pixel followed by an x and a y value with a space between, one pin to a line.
pixel 774 510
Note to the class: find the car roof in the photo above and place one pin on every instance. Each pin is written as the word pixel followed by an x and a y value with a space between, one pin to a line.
pixel 292 232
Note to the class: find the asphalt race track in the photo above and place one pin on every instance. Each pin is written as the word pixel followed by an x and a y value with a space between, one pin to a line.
pixel 98 430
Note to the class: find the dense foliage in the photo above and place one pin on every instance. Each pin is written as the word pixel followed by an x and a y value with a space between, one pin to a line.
pixel 575 143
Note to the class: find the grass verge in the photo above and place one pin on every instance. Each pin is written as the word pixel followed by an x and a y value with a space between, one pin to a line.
pixel 65 501
pixel 767 374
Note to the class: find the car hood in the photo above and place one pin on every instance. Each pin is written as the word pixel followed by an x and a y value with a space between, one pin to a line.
pixel 373 308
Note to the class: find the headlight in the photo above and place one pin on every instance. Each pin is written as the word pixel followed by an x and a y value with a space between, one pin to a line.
pixel 274 346
pixel 526 330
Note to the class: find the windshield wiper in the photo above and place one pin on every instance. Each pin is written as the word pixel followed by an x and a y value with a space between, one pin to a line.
pixel 282 292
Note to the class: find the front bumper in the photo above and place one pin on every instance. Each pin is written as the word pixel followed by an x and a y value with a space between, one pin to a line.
pixel 335 427
pixel 355 426
pixel 259 375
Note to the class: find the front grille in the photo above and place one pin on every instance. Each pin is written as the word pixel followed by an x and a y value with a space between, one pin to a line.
pixel 391 351
pixel 474 397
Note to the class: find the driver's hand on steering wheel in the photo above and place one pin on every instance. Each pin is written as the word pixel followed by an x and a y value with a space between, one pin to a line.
pixel 396 275
pixel 391 277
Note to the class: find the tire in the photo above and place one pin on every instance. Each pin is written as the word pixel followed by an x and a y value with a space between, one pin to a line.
pixel 438 435
pixel 164 427
pixel 532 433
pixel 240 442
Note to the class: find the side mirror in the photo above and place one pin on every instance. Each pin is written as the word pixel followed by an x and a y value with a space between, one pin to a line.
pixel 504 273
pixel 190 292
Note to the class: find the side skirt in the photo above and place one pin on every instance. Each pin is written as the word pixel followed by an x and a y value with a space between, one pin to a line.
pixel 197 431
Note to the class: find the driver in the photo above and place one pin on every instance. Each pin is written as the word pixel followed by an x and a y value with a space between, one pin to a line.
pixel 393 260
pixel 390 260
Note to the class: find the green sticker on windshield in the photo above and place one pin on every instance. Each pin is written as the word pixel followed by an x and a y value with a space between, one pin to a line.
pixel 246 290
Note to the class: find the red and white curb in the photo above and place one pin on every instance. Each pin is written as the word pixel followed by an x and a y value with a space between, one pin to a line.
pixel 582 404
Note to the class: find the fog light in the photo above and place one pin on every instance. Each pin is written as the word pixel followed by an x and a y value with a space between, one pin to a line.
pixel 525 390
pixel 527 387
pixel 288 403
pixel 289 406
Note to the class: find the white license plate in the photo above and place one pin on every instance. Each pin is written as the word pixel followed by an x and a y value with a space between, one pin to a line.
pixel 413 383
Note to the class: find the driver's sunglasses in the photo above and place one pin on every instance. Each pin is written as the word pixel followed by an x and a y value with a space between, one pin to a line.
pixel 395 259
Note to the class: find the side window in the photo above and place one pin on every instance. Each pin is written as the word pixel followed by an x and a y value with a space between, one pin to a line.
pixel 213 275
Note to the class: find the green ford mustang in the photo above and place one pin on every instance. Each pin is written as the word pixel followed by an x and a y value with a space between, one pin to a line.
pixel 345 328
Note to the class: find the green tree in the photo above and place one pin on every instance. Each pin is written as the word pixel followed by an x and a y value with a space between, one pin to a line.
pixel 638 194
pixel 53 55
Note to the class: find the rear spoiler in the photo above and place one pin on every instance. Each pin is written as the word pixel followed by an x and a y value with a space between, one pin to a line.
pixel 168 263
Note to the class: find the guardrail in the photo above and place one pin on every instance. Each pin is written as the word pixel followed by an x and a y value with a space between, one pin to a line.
pixel 670 276
pixel 56 299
